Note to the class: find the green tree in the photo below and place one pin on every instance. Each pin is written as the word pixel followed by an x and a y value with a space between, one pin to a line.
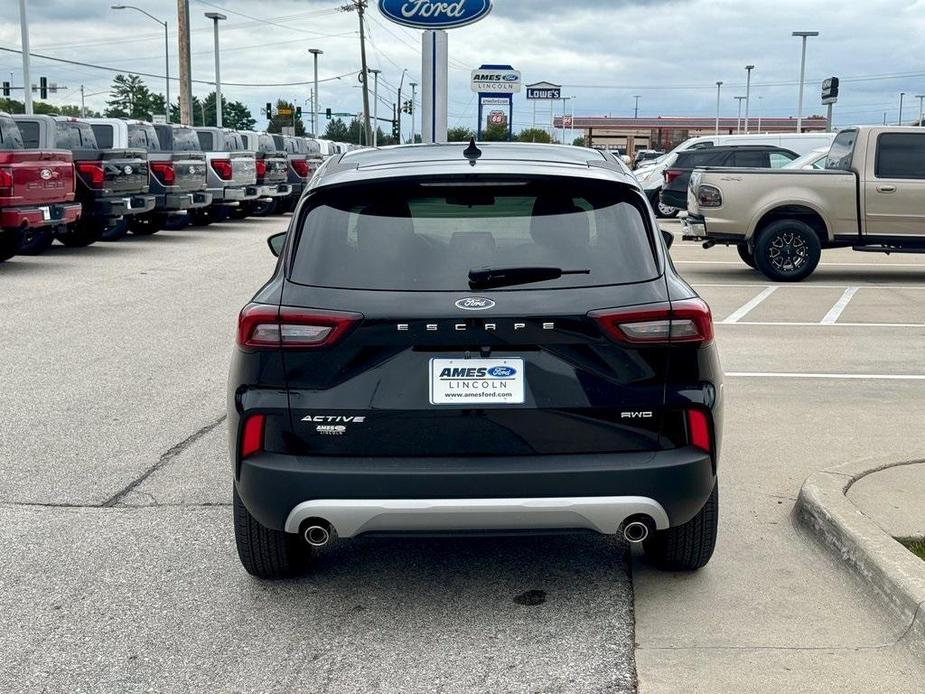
pixel 533 135
pixel 579 142
pixel 44 108
pixel 495 132
pixel 197 112
pixel 237 116
pixel 459 134
pixel 131 98
pixel 278 122
pixel 337 130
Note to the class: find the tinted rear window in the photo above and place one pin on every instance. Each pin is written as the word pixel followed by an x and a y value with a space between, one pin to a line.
pixel 266 144
pixel 842 148
pixel 103 135
pixel 703 157
pixel 233 142
pixel 428 235
pixel 206 141
pixel 10 137
pixel 185 140
pixel 900 155
pixel 73 135
pixel 143 137
pixel 30 133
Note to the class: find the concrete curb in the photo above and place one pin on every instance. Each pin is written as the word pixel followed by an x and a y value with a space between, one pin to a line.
pixel 895 574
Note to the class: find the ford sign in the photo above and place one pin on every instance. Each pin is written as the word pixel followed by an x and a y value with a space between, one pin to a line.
pixel 425 14
pixel 474 303
pixel 502 371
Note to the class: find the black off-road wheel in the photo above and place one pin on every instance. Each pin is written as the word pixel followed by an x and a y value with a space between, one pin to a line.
pixel 9 242
pixel 663 211
pixel 787 251
pixel 115 230
pixel 266 553
pixel 746 255
pixel 264 207
pixel 686 547
pixel 35 240
pixel 81 233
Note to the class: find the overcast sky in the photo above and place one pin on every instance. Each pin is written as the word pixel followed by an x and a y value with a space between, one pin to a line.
pixel 670 52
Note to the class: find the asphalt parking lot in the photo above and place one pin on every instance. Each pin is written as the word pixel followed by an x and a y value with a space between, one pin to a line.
pixel 120 568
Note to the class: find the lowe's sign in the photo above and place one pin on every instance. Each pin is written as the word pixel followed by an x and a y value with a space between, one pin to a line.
pixel 425 14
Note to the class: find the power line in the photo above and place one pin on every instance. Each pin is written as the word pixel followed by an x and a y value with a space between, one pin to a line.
pixel 266 21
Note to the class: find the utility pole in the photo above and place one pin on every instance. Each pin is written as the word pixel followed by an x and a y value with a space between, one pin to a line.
pixel 315 53
pixel 740 99
pixel 186 86
pixel 719 86
pixel 636 110
pixel 216 17
pixel 921 98
pixel 401 83
pixel 26 78
pixel 83 110
pixel 414 86
pixel 375 107
pixel 360 7
pixel 748 91
pixel 804 35
pixel 901 95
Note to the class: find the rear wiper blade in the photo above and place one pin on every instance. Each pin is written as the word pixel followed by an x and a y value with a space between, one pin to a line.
pixel 492 277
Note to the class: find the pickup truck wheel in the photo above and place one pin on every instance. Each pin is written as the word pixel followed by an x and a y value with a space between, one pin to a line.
pixel 264 207
pixel 146 224
pixel 115 230
pixel 267 553
pixel 9 242
pixel 81 233
pixel 746 255
pixel 35 241
pixel 200 218
pixel 663 211
pixel 689 546
pixel 242 211
pixel 787 251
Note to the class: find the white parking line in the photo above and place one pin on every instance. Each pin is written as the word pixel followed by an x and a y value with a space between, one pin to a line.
pixel 832 316
pixel 734 262
pixel 854 377
pixel 744 310
pixel 828 325
pixel 804 285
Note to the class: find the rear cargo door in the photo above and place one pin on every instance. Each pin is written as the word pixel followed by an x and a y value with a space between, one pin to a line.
pixel 38 177
pixel 125 170
pixel 425 365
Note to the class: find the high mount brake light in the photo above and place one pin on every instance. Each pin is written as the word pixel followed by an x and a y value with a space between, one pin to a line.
pixel 92 173
pixel 688 321
pixel 164 170
pixel 261 327
pixel 223 168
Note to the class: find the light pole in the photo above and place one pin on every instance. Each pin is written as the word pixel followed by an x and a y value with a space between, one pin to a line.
pixel 315 52
pixel 26 78
pixel 740 99
pixel 901 95
pixel 401 83
pixel 748 90
pixel 636 109
pixel 804 35
pixel 216 17
pixel 921 98
pixel 166 52
pixel 719 87
pixel 414 87
pixel 375 107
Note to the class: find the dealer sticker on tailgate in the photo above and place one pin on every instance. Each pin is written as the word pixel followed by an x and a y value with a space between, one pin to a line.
pixel 476 381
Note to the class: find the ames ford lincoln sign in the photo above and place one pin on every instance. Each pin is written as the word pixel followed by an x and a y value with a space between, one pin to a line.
pixel 424 14
pixel 504 81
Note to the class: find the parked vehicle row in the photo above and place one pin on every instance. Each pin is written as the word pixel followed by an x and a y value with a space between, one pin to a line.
pixel 86 180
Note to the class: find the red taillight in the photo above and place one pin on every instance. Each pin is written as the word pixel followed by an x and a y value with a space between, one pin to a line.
pixel 223 168
pixel 698 430
pixel 252 435
pixel 671 174
pixel 92 173
pixel 300 166
pixel 687 321
pixel 164 170
pixel 261 168
pixel 6 183
pixel 261 326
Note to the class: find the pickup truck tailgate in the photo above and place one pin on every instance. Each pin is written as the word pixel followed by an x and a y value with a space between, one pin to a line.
pixel 38 177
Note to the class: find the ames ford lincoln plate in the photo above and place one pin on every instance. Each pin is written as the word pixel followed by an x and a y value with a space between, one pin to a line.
pixel 465 340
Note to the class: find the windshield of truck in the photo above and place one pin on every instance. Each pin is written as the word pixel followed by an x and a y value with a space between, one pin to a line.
pixel 427 235
pixel 842 148
pixel 74 135
pixel 185 140
pixel 10 137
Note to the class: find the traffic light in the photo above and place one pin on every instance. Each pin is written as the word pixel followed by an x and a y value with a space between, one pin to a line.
pixel 269 111
pixel 43 87
pixel 327 113
pixel 395 132
pixel 298 111
pixel 407 107
pixel 6 89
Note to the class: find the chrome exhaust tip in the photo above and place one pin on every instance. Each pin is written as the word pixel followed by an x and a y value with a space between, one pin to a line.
pixel 635 531
pixel 317 535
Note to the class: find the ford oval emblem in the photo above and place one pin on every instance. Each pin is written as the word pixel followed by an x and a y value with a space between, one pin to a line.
pixel 46 174
pixel 502 371
pixel 474 303
pixel 427 14
pixel 127 170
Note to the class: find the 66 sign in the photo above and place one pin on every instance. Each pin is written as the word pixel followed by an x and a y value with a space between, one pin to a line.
pixel 497 118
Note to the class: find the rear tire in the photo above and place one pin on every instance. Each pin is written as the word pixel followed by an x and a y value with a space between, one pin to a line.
pixel 35 241
pixel 662 211
pixel 267 553
pixel 746 255
pixel 686 547
pixel 115 230
pixel 787 251
pixel 146 224
pixel 242 211
pixel 9 242
pixel 264 208
pixel 81 233
pixel 201 217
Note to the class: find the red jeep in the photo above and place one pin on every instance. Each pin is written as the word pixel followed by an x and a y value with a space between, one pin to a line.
pixel 36 193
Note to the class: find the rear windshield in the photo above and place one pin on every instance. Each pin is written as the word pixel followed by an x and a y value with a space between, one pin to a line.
pixel 206 141
pixel 143 136
pixel 185 140
pixel 265 144
pixel 9 134
pixel 73 135
pixel 842 148
pixel 428 235
pixel 103 134
pixel 233 142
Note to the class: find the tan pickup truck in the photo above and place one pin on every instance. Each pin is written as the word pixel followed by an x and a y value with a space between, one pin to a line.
pixel 870 197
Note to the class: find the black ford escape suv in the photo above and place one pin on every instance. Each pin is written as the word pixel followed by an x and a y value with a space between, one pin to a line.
pixel 466 340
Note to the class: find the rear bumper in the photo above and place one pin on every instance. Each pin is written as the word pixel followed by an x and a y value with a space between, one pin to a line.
pixel 694 228
pixel 39 215
pixel 274 190
pixel 124 205
pixel 175 202
pixel 274 486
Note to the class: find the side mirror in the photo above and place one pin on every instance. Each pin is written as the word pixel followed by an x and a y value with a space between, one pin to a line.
pixel 667 235
pixel 276 243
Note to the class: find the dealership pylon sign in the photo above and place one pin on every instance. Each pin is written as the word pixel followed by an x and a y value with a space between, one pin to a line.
pixel 434 18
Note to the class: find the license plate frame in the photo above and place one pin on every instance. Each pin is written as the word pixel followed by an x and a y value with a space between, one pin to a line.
pixel 476 382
